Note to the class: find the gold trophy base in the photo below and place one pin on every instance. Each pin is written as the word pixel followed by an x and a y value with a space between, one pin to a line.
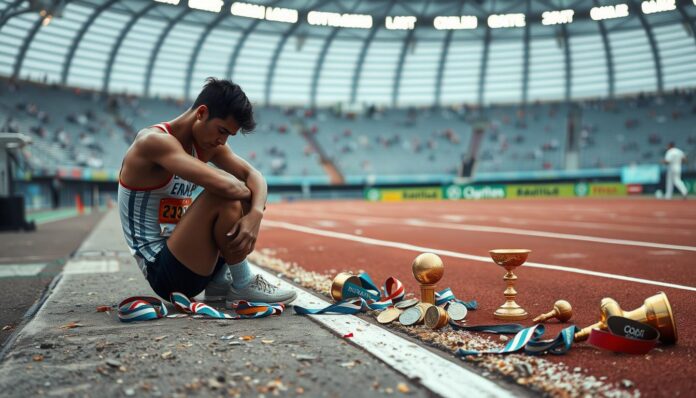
pixel 510 311
pixel 428 294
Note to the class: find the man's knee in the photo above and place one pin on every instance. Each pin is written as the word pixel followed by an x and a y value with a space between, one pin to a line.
pixel 214 199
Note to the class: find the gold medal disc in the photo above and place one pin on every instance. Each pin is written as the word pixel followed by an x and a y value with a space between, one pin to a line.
pixel 389 315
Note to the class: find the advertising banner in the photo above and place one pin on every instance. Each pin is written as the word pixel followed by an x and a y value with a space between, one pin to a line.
pixel 402 194
pixel 541 191
pixel 455 192
pixel 600 189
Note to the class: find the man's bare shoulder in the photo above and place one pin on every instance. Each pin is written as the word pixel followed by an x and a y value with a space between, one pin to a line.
pixel 152 140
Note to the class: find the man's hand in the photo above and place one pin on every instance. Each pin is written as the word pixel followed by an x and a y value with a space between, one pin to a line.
pixel 242 236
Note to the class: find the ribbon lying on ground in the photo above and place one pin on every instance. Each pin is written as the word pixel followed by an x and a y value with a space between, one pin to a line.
pixel 528 341
pixel 344 307
pixel 625 335
pixel 361 298
pixel 144 308
pixel 446 295
pixel 393 290
pixel 506 328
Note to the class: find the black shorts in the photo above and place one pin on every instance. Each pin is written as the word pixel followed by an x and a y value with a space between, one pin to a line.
pixel 167 275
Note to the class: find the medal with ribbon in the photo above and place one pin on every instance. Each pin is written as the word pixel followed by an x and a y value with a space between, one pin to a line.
pixel 358 294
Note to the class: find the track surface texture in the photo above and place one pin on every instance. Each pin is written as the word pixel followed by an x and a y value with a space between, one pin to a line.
pixel 653 241
pixel 49 246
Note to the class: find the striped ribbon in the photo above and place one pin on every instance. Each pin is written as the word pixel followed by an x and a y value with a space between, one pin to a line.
pixel 143 308
pixel 528 341
pixel 345 307
pixel 446 295
pixel 506 328
pixel 368 298
pixel 392 289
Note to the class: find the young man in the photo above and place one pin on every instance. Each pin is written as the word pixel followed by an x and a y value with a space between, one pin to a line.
pixel 673 159
pixel 184 245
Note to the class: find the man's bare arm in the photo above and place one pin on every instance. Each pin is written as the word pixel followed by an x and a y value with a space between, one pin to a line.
pixel 167 152
pixel 228 161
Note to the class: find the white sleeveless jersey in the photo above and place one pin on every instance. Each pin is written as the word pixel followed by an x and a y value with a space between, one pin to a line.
pixel 149 215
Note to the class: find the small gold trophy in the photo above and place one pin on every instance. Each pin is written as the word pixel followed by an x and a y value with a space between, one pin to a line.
pixel 428 270
pixel 510 259
pixel 655 311
pixel 561 311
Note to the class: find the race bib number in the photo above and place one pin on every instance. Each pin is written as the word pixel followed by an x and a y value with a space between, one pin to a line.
pixel 171 210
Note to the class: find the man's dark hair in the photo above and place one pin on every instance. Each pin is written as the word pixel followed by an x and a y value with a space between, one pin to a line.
pixel 223 99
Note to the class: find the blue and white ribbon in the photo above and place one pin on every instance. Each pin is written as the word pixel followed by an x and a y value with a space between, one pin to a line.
pixel 528 341
pixel 446 295
pixel 345 307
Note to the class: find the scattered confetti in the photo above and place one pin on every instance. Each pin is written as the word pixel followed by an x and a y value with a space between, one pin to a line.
pixel 403 388
pixel 71 325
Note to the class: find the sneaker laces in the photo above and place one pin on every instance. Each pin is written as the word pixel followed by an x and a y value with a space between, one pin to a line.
pixel 263 284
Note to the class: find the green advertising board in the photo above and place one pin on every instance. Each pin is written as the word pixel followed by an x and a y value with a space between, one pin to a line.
pixel 402 194
pixel 541 191
pixel 583 189
pixel 455 192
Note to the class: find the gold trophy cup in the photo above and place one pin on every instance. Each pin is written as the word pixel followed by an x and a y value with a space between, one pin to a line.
pixel 428 270
pixel 510 259
pixel 561 311
pixel 655 312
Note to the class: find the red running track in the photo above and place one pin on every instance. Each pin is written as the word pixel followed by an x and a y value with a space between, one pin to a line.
pixel 652 241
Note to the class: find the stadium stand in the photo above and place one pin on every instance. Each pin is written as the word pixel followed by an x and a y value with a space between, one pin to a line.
pixel 74 127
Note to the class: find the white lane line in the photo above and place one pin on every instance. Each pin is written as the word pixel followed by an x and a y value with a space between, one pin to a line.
pixel 12 270
pixel 421 249
pixel 544 234
pixel 513 231
pixel 437 374
pixel 90 267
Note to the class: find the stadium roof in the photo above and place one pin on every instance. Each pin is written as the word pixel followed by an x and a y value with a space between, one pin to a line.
pixel 151 48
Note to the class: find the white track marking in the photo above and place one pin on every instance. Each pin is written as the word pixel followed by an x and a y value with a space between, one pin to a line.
pixel 512 231
pixel 421 249
pixel 439 375
pixel 90 267
pixel 12 270
pixel 544 234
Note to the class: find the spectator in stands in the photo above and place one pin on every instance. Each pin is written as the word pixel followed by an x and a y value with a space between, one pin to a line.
pixel 674 157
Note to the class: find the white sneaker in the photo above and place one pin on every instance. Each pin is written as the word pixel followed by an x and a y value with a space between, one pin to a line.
pixel 260 290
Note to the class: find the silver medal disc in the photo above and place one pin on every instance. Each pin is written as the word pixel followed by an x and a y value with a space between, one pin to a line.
pixel 410 316
pixel 406 303
pixel 457 311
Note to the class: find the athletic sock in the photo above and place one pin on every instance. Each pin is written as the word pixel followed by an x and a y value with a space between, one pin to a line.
pixel 241 274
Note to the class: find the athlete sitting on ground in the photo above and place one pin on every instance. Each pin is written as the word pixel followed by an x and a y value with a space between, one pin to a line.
pixel 214 233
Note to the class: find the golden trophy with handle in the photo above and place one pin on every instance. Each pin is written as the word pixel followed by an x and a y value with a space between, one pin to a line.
pixel 510 259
